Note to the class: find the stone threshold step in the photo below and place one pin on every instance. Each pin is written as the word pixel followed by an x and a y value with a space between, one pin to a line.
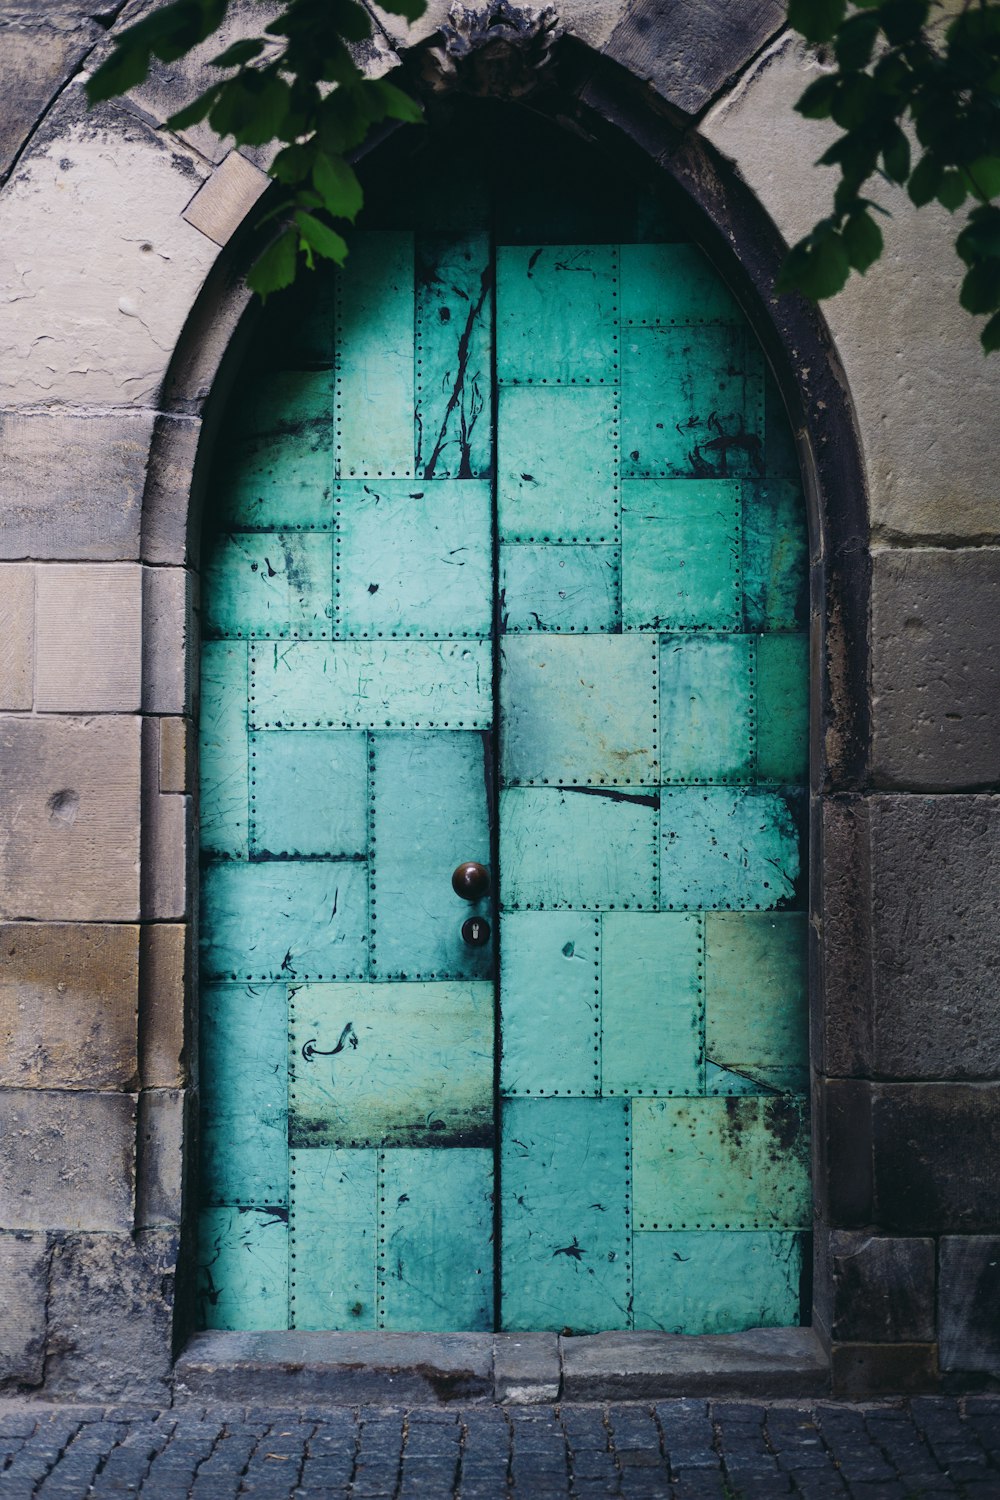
pixel 288 1368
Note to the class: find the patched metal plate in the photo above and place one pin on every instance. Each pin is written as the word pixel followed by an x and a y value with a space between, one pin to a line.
pixel 722 1163
pixel 757 1024
pixel 454 419
pixel 681 555
pixel 590 848
pixel 565 1210
pixel 309 793
pixel 706 708
pixel 558 465
pixel 333 1232
pixel 414 559
pixel 435 1240
pixel 429 813
pixel 721 1282
pixel 391 1065
pixel 782 708
pixel 222 749
pixel 270 583
pixel 243 1268
pixel 775 556
pixel 244 1121
pixel 579 710
pixel 653 1005
pixel 550 1003
pixel 374 362
pixel 285 919
pixel 371 684
pixel 692 403
pixel 281 459
pixel 729 848
pixel 571 587
pixel 557 314
pixel 665 285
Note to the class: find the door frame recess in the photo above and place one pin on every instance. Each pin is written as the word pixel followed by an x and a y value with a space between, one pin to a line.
pixel 598 100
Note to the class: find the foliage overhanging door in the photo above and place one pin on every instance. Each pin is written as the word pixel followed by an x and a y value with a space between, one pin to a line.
pixel 552 480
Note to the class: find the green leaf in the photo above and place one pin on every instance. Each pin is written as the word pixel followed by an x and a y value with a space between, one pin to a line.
pixel 951 193
pixel 123 70
pixel 981 236
pixel 984 173
pixel 338 186
pixel 321 238
pixel 896 154
pixel 395 104
pixel 817 266
pixel 902 20
pixel 412 10
pixel 817 100
pixel 925 179
pixel 239 53
pixel 990 336
pixel 276 267
pixel 862 241
pixel 855 39
pixel 981 288
pixel 817 20
pixel 856 98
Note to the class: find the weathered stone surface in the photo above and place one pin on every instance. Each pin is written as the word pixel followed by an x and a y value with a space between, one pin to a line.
pixel 687 52
pixel 40 47
pixel 630 1366
pixel 17 635
pixel 167 642
pixel 936 941
pixel 936 1146
pixel 883 1369
pixel 526 1367
pixel 160 1164
pixel 162 969
pixel 883 1289
pixel 167 500
pixel 68 1005
pixel 176 745
pixel 935 668
pixel 592 21
pixel 72 852
pixel 167 826
pixel 88 638
pixel 71 484
pixel 969 1303
pixel 24 1264
pixel 844 1158
pixel 110 1316
pixel 221 204
pixel 843 1033
pixel 67 1160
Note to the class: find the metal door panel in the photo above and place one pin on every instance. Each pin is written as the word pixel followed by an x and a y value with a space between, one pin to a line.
pixel 550 987
pixel 653 1008
pixel 557 464
pixel 589 848
pixel 333 1234
pixel 414 558
pixel 557 314
pixel 454 275
pixel 285 919
pixel 755 997
pixel 706 708
pixel 222 747
pixel 567 587
pixel 243 1268
pixel 435 1233
pixel 391 1065
pixel 564 1181
pixel 429 813
pixel 309 792
pixel 270 583
pixel 692 403
pixel 281 460
pixel 721 1163
pixel 371 684
pixel 717 1282
pixel 775 556
pixel 374 360
pixel 782 708
pixel 664 285
pixel 579 709
pixel 780 458
pixel 666 523
pixel 724 1081
pixel 729 847
pixel 244 1123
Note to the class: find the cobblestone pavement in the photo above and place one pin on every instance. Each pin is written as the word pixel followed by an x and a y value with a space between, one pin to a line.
pixel 683 1449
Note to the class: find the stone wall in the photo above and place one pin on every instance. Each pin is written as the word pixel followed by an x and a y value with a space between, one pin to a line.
pixel 122 289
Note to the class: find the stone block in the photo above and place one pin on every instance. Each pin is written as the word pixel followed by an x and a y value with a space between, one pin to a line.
pixel 935 668
pixel 688 52
pixel 844 1151
pixel 24 1268
pixel 526 1367
pixel 163 1116
pixel 969 1303
pixel 40 48
pixel 223 201
pixel 167 641
pixel 88 638
pixel 843 1046
pixel 637 1366
pixel 883 1289
pixel 72 852
pixel 935 1147
pixel 936 942
pixel 111 1317
pixel 17 635
pixel 67 1160
pixel 163 966
pixel 68 1005
pixel 71 484
pixel 859 1370
pixel 166 503
pixel 176 750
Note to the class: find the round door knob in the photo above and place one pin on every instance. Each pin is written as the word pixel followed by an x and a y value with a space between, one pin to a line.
pixel 471 881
